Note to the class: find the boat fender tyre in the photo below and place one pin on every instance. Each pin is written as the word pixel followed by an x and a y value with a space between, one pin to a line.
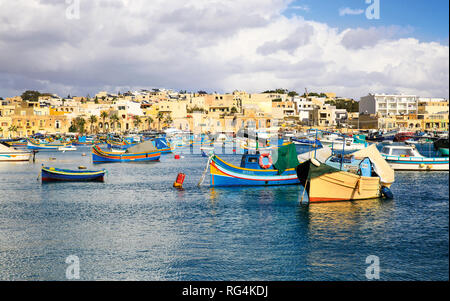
pixel 315 162
pixel 386 192
pixel 265 166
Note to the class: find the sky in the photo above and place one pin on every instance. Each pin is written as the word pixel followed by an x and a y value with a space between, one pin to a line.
pixel 350 47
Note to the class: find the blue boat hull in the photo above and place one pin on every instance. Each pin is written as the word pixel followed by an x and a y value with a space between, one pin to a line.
pixel 99 156
pixel 72 175
pixel 225 174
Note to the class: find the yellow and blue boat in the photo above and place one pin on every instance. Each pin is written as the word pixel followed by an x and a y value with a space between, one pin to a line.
pixel 54 145
pixel 359 176
pixel 124 144
pixel 142 152
pixel 51 174
pixel 256 170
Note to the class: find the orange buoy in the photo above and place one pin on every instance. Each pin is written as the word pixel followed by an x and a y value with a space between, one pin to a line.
pixel 179 181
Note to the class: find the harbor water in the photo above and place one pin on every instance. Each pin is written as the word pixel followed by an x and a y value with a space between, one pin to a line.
pixel 136 226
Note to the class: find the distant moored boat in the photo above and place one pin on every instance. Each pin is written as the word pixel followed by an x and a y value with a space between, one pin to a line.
pixel 49 174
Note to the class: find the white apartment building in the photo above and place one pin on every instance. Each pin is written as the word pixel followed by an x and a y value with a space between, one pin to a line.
pixel 388 104
pixel 304 106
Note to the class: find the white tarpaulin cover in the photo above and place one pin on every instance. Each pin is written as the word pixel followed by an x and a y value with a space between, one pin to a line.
pixel 381 167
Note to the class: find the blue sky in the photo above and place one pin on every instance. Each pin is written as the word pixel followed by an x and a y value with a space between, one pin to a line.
pixel 426 20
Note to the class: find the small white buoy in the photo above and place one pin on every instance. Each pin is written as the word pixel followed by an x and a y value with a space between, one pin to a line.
pixel 83 154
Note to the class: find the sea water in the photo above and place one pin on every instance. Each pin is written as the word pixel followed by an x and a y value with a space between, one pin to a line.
pixel 136 226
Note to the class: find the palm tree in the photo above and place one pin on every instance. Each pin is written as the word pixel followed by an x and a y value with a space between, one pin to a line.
pixel 137 121
pixel 168 120
pixel 149 122
pixel 114 119
pixel 1 131
pixel 12 129
pixel 103 115
pixel 92 120
pixel 160 117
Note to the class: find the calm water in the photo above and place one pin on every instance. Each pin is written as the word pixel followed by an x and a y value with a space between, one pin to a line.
pixel 135 226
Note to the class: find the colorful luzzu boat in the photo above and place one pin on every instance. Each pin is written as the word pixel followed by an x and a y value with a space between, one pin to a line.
pixel 84 141
pixel 162 145
pixel 142 152
pixel 124 144
pixel 8 153
pixel 17 143
pixel 359 176
pixel 253 171
pixel 50 174
pixel 407 157
pixel 55 145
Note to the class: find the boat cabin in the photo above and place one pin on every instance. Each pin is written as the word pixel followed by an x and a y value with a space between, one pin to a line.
pixel 251 161
pixel 350 164
pixel 400 151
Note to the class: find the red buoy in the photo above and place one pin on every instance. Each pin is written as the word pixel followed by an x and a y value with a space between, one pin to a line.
pixel 179 181
pixel 177 157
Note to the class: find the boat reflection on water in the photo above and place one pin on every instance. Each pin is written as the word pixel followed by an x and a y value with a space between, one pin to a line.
pixel 358 227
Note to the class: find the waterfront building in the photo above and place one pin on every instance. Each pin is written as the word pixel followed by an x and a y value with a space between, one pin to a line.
pixel 388 104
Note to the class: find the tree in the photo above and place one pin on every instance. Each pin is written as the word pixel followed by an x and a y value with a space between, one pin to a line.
pixel 292 94
pixel 277 91
pixel 350 105
pixel 30 95
pixel 160 117
pixel 92 120
pixel 168 120
pixel 12 129
pixel 234 110
pixel 104 115
pixel 114 119
pixel 149 122
pixel 77 125
pixel 137 121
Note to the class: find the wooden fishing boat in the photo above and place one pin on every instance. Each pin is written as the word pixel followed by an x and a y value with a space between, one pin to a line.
pixel 407 157
pixel 124 144
pixel 366 176
pixel 84 141
pixel 8 153
pixel 54 145
pixel 16 142
pixel 49 174
pixel 336 142
pixel 162 145
pixel 142 152
pixel 253 171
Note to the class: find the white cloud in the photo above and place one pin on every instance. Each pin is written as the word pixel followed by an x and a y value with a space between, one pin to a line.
pixel 196 45
pixel 301 7
pixel 350 11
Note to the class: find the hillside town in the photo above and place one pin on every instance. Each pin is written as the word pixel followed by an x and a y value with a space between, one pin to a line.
pixel 157 109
